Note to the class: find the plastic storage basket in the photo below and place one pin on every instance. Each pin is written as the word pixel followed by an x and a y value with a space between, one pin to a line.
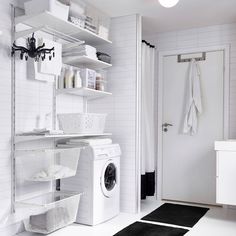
pixel 55 7
pixel 48 164
pixel 82 123
pixel 52 211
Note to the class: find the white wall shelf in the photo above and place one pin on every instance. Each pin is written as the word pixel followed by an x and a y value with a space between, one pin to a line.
pixel 25 138
pixel 88 93
pixel 65 27
pixel 85 61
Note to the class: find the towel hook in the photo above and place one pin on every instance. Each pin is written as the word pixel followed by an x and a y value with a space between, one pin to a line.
pixel 202 58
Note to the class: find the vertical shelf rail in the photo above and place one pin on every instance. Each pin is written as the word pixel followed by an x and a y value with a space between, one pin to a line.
pixel 13 118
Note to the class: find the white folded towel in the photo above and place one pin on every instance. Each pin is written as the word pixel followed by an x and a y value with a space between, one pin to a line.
pixel 92 142
pixel 84 47
pixel 32 72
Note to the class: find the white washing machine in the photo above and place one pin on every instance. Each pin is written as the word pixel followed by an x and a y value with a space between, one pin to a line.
pixel 98 176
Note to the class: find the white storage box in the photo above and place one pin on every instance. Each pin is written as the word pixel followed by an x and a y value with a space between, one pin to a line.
pixel 88 78
pixel 55 7
pixel 47 164
pixel 82 123
pixel 51 211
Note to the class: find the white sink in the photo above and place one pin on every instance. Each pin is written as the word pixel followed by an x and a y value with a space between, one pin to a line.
pixel 227 145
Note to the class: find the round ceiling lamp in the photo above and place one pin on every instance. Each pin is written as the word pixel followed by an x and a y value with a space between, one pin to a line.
pixel 168 3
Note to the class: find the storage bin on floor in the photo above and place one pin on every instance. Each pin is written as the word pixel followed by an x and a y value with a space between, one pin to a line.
pixel 82 123
pixel 47 164
pixel 52 211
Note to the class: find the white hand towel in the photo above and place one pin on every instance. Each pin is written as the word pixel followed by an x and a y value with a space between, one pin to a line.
pixel 53 66
pixel 193 100
pixel 32 72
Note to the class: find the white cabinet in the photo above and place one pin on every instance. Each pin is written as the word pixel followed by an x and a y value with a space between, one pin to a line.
pixel 226 172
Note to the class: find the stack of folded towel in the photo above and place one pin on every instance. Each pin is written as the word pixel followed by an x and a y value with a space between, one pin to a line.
pixel 91 141
pixel 86 142
pixel 82 50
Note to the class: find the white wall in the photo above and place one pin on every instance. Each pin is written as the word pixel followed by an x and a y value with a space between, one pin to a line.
pixel 201 37
pixel 5 117
pixel 33 98
pixel 121 106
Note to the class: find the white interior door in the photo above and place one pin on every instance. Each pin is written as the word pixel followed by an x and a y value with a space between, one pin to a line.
pixel 189 162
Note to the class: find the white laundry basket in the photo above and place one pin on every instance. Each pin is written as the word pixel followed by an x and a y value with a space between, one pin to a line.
pixel 82 123
pixel 52 211
pixel 48 164
pixel 55 7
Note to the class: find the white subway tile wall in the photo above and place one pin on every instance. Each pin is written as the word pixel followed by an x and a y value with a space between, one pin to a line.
pixel 5 104
pixel 121 106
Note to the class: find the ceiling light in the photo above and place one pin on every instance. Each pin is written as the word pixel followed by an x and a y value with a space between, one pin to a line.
pixel 168 3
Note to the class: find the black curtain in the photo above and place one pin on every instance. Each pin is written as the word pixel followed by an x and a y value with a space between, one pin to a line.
pixel 147 185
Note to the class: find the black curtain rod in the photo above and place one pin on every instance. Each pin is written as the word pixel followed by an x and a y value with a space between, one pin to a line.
pixel 151 46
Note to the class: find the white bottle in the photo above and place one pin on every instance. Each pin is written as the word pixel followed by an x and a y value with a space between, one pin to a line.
pixel 61 84
pixel 69 76
pixel 77 80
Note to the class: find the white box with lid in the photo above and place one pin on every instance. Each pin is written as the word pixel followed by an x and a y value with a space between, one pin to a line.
pixel 88 77
pixel 55 7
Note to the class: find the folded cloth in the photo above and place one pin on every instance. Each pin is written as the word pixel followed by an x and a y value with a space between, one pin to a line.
pixel 72 58
pixel 82 53
pixel 82 50
pixel 92 142
pixel 54 172
pixel 53 66
pixel 51 220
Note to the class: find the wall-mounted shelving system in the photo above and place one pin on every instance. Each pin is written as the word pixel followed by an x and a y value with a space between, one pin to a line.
pixel 75 35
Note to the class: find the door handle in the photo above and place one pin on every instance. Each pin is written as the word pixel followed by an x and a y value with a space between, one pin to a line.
pixel 165 126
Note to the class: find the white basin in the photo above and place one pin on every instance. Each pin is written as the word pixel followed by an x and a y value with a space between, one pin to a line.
pixel 227 145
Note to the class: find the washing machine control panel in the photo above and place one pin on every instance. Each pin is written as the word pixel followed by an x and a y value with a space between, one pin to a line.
pixel 107 151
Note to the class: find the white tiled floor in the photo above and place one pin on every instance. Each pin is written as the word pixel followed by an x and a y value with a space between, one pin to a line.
pixel 217 222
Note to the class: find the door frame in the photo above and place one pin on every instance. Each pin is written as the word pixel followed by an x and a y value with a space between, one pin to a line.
pixel 161 55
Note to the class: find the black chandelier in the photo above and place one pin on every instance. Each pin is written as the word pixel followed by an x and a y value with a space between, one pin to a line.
pixel 32 51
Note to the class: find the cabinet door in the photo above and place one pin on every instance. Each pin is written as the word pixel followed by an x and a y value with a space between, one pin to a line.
pixel 226 178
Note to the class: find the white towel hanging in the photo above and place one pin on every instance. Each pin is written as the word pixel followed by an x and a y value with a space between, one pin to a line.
pixel 193 99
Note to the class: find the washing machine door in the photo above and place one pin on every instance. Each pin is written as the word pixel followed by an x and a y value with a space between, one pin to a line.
pixel 109 179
